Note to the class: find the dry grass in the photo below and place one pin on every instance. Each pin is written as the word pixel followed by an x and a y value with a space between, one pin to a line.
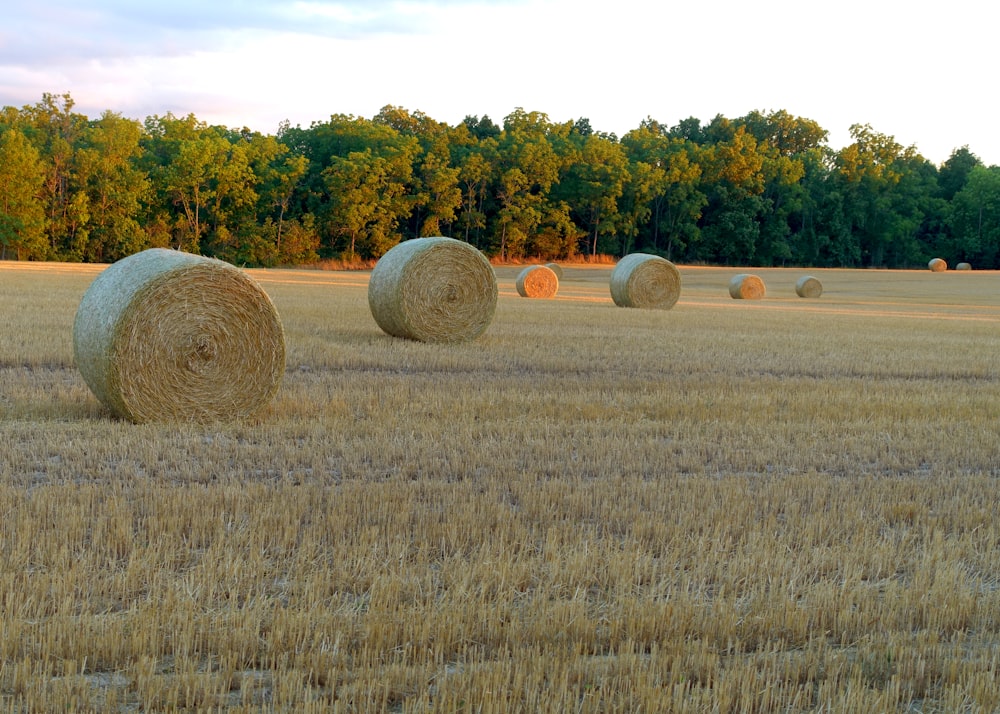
pixel 790 509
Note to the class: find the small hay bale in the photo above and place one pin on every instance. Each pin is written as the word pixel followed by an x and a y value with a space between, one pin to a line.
pixel 537 281
pixel 808 287
pixel 937 265
pixel 555 268
pixel 963 266
pixel 645 281
pixel 166 336
pixel 746 287
pixel 433 290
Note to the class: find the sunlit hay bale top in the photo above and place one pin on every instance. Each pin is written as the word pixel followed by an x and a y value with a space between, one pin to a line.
pixel 963 266
pixel 645 281
pixel 537 281
pixel 168 336
pixel 433 290
pixel 746 287
pixel 808 287
pixel 937 265
pixel 555 268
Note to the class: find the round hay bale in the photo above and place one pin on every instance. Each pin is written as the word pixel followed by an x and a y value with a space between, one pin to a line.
pixel 168 336
pixel 645 281
pixel 555 268
pixel 808 287
pixel 746 287
pixel 537 281
pixel 433 290
pixel 937 265
pixel 963 266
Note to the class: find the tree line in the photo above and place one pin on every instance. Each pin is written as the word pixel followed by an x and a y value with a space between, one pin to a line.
pixel 763 189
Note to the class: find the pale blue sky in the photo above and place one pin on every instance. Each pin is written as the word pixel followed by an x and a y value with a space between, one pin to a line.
pixel 920 72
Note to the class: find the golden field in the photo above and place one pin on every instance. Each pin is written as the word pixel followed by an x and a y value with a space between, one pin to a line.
pixel 785 505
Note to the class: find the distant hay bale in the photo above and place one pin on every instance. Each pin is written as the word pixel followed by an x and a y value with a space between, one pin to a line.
pixel 433 290
pixel 555 268
pixel 937 265
pixel 746 287
pixel 808 287
pixel 168 336
pixel 963 266
pixel 537 281
pixel 645 281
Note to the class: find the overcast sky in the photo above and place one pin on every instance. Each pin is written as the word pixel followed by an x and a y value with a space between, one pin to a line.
pixel 919 71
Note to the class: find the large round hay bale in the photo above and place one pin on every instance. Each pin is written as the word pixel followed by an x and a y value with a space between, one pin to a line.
pixel 537 281
pixel 433 290
pixel 963 266
pixel 746 287
pixel 808 287
pixel 645 281
pixel 937 265
pixel 169 336
pixel 555 268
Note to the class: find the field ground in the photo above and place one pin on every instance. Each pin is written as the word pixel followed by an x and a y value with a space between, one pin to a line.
pixel 783 505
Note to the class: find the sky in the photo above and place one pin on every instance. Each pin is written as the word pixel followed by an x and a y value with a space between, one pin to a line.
pixel 920 72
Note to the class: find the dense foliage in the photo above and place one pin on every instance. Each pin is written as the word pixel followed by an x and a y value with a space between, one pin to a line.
pixel 763 189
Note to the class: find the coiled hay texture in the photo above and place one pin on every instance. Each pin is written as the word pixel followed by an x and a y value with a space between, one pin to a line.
pixel 169 336
pixel 937 265
pixel 746 287
pixel 808 287
pixel 433 290
pixel 645 281
pixel 555 268
pixel 963 266
pixel 537 281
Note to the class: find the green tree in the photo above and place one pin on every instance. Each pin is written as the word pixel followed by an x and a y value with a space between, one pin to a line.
pixel 975 218
pixel 592 187
pixel 56 130
pixel 279 173
pixel 733 174
pixel 367 200
pixel 528 167
pixel 676 197
pixel 115 186
pixel 22 213
pixel 955 171
pixel 882 218
pixel 476 161
pixel 338 152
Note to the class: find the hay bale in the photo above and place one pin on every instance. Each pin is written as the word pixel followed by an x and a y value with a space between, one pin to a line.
pixel 555 268
pixel 537 281
pixel 746 287
pixel 433 290
pixel 645 281
pixel 963 266
pixel 937 265
pixel 808 287
pixel 169 336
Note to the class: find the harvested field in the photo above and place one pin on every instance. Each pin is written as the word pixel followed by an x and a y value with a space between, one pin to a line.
pixel 761 506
